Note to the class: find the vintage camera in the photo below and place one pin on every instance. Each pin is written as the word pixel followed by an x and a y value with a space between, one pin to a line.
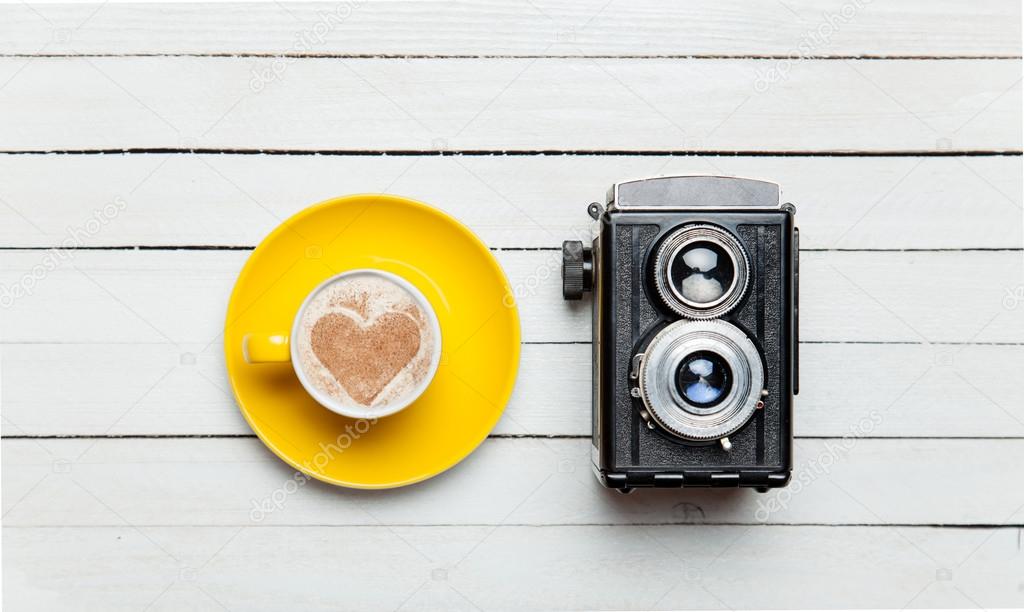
pixel 695 282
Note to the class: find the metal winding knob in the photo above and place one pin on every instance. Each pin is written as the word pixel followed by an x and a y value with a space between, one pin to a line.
pixel 577 270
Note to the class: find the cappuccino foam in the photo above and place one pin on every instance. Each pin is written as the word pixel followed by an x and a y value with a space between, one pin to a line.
pixel 365 341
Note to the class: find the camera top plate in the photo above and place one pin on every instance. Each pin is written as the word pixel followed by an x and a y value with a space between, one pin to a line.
pixel 694 192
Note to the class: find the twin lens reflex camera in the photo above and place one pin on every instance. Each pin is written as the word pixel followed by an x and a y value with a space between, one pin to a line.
pixel 695 315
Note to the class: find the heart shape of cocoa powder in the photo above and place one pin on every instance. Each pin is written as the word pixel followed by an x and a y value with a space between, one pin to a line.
pixel 364 358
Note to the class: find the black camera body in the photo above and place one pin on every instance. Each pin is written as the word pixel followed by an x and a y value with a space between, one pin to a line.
pixel 695 282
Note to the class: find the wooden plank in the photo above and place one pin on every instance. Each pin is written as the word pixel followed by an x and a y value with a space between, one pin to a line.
pixel 168 481
pixel 510 104
pixel 798 27
pixel 181 296
pixel 161 389
pixel 865 203
pixel 473 568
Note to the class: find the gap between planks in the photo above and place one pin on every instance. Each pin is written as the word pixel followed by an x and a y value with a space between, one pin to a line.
pixel 521 152
pixel 232 247
pixel 465 56
pixel 490 437
pixel 963 526
pixel 580 342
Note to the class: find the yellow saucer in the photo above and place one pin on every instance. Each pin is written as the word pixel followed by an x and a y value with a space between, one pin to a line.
pixel 479 331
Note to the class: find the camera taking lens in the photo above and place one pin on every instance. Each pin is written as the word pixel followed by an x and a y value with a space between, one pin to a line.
pixel 703 378
pixel 700 380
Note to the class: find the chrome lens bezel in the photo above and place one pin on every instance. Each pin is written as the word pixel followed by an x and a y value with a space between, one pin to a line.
pixel 660 394
pixel 672 246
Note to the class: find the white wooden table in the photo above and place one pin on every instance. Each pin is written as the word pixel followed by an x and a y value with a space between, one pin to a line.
pixel 148 148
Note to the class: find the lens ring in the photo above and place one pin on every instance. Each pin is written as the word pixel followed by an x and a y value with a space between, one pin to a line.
pixel 719 242
pixel 670 409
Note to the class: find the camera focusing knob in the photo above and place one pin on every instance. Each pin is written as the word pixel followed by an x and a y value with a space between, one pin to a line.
pixel 577 270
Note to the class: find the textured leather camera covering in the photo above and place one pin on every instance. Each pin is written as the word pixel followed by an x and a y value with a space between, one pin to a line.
pixel 638 315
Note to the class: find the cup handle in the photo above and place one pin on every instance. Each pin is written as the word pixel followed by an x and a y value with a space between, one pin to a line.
pixel 266 348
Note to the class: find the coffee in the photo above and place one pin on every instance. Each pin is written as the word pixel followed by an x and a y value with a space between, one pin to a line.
pixel 365 341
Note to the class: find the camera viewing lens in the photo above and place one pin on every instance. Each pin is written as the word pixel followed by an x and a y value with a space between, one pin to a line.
pixel 704 378
pixel 702 272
